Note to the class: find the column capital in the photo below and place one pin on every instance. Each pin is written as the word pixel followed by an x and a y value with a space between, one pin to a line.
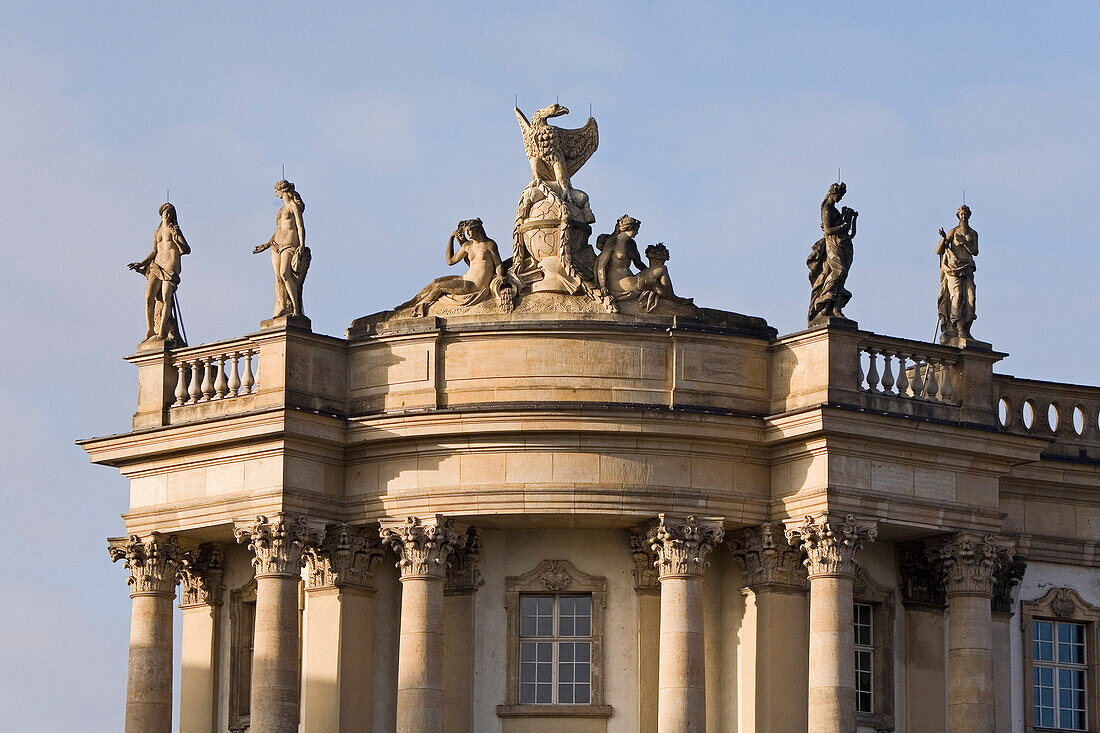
pixel 831 546
pixel 682 544
pixel 970 562
pixel 645 562
pixel 279 543
pixel 153 563
pixel 768 559
pixel 463 571
pixel 201 572
pixel 423 549
pixel 345 558
pixel 919 578
pixel 1006 578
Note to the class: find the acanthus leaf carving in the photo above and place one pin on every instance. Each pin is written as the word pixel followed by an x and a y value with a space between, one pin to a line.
pixel 1006 581
pixel 201 572
pixel 423 550
pixel 682 545
pixel 831 547
pixel 464 573
pixel 153 563
pixel 920 579
pixel 970 562
pixel 768 558
pixel 346 557
pixel 645 570
pixel 278 544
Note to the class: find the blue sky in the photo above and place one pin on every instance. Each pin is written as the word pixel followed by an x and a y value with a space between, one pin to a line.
pixel 721 126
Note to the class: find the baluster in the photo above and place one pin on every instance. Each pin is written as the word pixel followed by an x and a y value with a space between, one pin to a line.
pixel 903 378
pixel 207 379
pixel 946 389
pixel 918 378
pixel 181 384
pixel 931 385
pixel 872 371
pixel 220 385
pixel 859 369
pixel 248 382
pixel 194 390
pixel 887 374
pixel 234 378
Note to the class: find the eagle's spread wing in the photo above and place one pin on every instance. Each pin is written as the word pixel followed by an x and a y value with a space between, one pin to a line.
pixel 528 137
pixel 578 145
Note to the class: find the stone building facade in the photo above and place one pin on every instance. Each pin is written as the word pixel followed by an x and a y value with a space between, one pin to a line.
pixel 607 522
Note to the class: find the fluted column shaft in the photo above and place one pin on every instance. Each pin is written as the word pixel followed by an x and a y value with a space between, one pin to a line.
pixel 423 551
pixel 831 549
pixel 154 565
pixel 278 545
pixel 681 547
pixel 969 564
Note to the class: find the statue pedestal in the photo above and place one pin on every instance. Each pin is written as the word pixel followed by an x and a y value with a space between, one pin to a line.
pixel 155 343
pixel 833 322
pixel 966 343
pixel 300 322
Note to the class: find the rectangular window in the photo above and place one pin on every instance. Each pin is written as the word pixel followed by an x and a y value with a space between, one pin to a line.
pixel 1058 675
pixel 865 657
pixel 555 650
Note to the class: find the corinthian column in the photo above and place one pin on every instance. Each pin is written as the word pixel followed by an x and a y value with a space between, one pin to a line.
pixel 681 546
pixel 154 565
pixel 339 631
pixel 423 551
pixel 970 563
pixel 279 545
pixel 831 548
pixel 774 664
pixel 201 593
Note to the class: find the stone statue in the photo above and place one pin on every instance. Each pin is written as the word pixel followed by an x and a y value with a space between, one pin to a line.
pixel 485 277
pixel 957 249
pixel 831 258
pixel 618 251
pixel 289 254
pixel 161 269
pixel 556 154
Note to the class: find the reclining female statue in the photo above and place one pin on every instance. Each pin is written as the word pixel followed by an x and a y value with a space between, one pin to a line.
pixel 476 250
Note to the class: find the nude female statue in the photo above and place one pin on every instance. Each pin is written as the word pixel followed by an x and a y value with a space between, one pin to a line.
pixel 652 283
pixel 476 250
pixel 289 254
pixel 957 249
pixel 162 272
pixel 618 251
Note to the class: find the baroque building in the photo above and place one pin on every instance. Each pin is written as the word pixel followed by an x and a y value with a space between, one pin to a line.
pixel 553 495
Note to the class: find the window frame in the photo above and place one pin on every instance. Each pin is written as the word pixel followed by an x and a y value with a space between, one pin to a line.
pixel 1062 605
pixel 242 624
pixel 882 601
pixel 554 578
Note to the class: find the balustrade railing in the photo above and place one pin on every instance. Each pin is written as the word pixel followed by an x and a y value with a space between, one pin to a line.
pixel 1068 413
pixel 899 370
pixel 215 372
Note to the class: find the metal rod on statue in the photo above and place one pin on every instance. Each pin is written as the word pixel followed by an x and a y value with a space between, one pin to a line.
pixel 179 317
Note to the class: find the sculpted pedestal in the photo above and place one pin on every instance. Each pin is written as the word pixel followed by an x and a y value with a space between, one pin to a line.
pixel 423 550
pixel 154 565
pixel 831 547
pixel 681 546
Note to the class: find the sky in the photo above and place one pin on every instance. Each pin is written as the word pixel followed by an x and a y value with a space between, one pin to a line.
pixel 721 126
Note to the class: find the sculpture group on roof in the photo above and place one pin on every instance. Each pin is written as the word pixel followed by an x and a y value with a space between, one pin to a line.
pixel 553 267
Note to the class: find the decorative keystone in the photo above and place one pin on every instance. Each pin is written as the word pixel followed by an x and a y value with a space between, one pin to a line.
pixel 423 549
pixel 681 545
pixel 153 563
pixel 830 548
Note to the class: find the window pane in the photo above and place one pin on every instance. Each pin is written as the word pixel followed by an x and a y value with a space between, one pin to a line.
pixel 565 626
pixel 565 694
pixel 565 652
pixel 565 672
pixel 546 605
pixel 545 651
pixel 543 694
pixel 567 604
pixel 583 672
pixel 527 651
pixel 527 626
pixel 582 694
pixel 584 651
pixel 526 694
pixel 1043 648
pixel 544 673
pixel 584 626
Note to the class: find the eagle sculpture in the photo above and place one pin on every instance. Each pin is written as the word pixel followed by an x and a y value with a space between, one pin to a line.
pixel 555 153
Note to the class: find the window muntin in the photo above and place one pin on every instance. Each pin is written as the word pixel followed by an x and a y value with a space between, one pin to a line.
pixel 555 650
pixel 865 657
pixel 1058 675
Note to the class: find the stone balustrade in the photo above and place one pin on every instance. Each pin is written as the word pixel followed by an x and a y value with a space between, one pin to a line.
pixel 1068 414
pixel 912 371
pixel 216 371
